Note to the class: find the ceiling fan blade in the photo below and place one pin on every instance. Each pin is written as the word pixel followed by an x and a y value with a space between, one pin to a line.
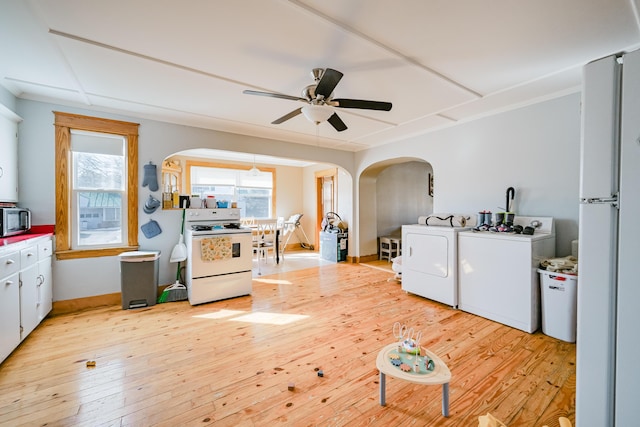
pixel 287 116
pixel 337 123
pixel 328 82
pixel 362 104
pixel 274 95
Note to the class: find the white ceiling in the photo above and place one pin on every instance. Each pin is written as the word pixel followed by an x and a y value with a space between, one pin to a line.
pixel 440 62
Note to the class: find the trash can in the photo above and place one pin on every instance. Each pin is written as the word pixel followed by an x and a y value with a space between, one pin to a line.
pixel 558 298
pixel 139 278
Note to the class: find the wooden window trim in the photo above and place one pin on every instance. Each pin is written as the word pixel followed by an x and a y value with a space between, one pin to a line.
pixel 64 123
pixel 190 163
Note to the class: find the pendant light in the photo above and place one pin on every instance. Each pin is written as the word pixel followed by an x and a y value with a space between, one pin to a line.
pixel 254 170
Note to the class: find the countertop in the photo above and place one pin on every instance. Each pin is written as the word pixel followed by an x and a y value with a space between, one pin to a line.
pixel 22 240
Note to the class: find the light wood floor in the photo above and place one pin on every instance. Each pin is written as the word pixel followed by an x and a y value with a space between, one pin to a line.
pixel 229 363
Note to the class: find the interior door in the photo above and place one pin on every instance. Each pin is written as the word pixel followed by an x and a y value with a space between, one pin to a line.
pixel 326 195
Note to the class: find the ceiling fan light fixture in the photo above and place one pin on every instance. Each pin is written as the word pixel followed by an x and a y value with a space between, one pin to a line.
pixel 317 113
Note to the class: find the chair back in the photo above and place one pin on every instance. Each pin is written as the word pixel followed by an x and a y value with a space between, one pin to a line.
pixel 266 231
pixel 247 221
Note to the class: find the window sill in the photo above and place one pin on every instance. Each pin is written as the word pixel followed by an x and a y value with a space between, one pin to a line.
pixel 93 253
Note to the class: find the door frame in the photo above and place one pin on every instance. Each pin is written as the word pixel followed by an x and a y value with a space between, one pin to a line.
pixel 319 177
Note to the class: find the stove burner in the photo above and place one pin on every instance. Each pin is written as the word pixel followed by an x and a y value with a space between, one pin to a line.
pixel 201 227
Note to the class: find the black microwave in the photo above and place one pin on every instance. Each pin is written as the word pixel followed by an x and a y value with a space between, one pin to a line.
pixel 14 221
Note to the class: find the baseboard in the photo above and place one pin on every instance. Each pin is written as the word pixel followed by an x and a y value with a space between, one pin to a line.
pixel 367 258
pixel 79 304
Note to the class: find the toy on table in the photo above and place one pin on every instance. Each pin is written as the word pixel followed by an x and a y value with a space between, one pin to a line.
pixel 408 342
pixel 408 339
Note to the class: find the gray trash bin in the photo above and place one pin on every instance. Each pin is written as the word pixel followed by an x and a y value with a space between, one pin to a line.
pixel 559 304
pixel 139 278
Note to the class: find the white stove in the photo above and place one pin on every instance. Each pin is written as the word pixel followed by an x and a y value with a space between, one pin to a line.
pixel 219 255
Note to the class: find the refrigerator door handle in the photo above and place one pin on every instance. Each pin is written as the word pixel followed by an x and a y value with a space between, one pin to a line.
pixel 613 200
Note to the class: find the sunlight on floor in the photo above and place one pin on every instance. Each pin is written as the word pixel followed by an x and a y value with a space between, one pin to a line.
pixel 273 281
pixel 290 261
pixel 255 317
pixel 269 318
pixel 220 314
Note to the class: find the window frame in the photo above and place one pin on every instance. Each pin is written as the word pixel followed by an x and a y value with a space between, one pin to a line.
pixel 190 163
pixel 63 123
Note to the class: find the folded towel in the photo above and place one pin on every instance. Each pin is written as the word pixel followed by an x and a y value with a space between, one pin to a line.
pixel 216 248
pixel 444 220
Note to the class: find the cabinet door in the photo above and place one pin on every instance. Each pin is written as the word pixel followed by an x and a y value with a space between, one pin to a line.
pixel 28 300
pixel 9 315
pixel 8 160
pixel 45 288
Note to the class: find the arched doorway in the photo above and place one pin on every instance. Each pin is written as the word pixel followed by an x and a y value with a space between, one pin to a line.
pixel 392 193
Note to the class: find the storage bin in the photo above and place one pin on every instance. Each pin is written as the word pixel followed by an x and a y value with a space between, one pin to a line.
pixel 333 246
pixel 559 304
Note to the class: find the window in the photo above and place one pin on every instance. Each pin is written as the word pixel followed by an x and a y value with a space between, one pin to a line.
pixel 254 192
pixel 96 186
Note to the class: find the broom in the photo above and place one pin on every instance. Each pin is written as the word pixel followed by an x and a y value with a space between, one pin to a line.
pixel 177 291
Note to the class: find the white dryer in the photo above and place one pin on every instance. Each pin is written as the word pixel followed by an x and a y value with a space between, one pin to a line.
pixel 430 262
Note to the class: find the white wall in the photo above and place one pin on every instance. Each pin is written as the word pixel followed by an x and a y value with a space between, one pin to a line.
pixel 157 141
pixel 534 149
pixel 343 204
pixel 402 196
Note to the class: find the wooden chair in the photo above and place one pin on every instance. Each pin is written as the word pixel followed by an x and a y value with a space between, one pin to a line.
pixel 264 238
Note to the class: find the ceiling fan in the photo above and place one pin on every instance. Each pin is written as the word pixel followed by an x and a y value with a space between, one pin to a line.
pixel 318 97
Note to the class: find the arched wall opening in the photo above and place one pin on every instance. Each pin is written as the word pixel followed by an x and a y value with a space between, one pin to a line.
pixel 295 183
pixel 392 193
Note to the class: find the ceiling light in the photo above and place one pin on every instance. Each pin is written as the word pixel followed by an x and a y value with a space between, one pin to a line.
pixel 317 113
pixel 254 170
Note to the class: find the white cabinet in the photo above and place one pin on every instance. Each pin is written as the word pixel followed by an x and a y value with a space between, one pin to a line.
pixel 28 300
pixel 36 290
pixel 9 307
pixel 45 280
pixel 26 291
pixel 8 159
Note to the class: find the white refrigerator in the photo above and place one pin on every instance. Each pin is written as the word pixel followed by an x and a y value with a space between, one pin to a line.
pixel 608 335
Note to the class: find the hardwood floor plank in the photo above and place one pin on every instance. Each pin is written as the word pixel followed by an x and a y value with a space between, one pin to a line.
pixel 230 362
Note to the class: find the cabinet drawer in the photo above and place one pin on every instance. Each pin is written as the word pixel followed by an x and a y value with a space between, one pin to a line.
pixel 45 249
pixel 9 264
pixel 28 256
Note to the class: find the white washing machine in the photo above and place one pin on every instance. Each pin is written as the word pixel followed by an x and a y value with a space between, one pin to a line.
pixel 498 276
pixel 430 262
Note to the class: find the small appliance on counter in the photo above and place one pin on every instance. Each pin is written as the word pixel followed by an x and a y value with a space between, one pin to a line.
pixel 14 221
